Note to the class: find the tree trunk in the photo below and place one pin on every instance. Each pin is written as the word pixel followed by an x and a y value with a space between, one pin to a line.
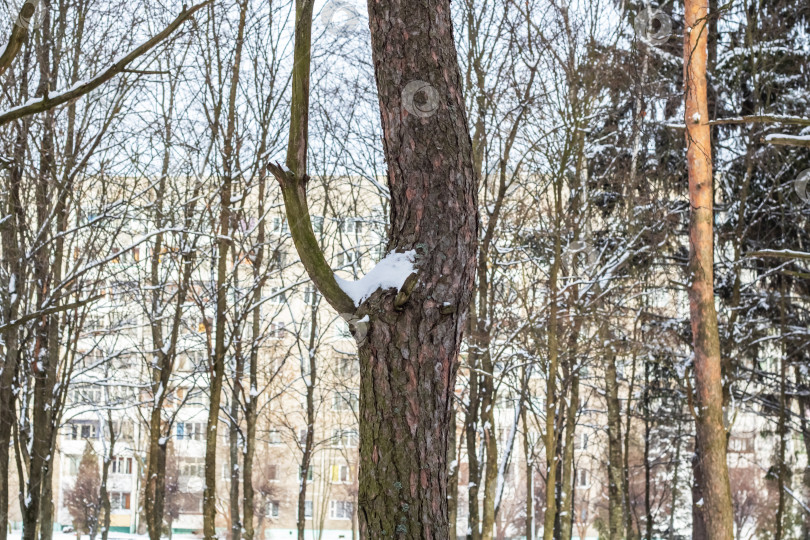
pixel 567 494
pixel 615 458
pixel 711 433
pixel 803 397
pixel 104 495
pixel 229 165
pixel 648 516
pixel 409 354
pixel 252 406
pixel 471 436
pixel 529 476
pixel 309 441
pixel 233 444
pixel 11 263
pixel 410 357
pixel 452 476
pixel 550 434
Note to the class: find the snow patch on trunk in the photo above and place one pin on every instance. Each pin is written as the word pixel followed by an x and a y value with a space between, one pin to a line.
pixel 390 273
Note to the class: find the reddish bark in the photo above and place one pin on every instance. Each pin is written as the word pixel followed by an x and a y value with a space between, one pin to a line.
pixel 711 433
pixel 410 357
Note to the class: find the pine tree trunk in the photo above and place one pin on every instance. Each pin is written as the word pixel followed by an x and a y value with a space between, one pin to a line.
pixel 711 433
pixel 410 356
pixel 409 349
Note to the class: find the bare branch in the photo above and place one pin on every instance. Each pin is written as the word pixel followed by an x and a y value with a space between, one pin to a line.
pixel 19 31
pixel 46 103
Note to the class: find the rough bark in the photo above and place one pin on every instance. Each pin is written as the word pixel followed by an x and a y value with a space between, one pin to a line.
pixel 409 357
pixel 711 434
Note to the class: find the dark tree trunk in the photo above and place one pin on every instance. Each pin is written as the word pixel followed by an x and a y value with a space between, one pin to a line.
pixel 615 459
pixel 410 357
pixel 409 354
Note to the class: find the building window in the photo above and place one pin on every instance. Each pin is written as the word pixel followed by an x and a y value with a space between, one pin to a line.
pixel 121 465
pixel 271 473
pixel 274 437
pixel 344 401
pixel 347 366
pixel 340 509
pixel 341 474
pixel 344 438
pixel 119 500
pixel 348 257
pixel 351 226
pixel 741 445
pixel 192 467
pixel 307 509
pixel 278 295
pixel 275 330
pixel 83 431
pixel 311 296
pixel 342 330
pixel 280 225
pixel 317 224
pixel 583 478
pixel 272 509
pixel 190 431
pixel 301 474
pixel 581 441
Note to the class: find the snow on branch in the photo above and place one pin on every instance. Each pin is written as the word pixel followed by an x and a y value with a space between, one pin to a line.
pixel 787 140
pixel 45 103
pixel 389 273
pixel 781 254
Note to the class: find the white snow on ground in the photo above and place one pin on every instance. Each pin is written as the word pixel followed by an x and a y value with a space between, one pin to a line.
pixel 390 273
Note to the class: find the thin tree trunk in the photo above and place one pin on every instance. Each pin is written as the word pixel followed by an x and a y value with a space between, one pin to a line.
pixel 615 458
pixel 711 439
pixel 233 445
pixel 674 491
pixel 782 428
pixel 11 263
pixel 550 435
pixel 452 477
pixel 628 509
pixel 567 494
pixel 104 495
pixel 252 407
pixel 803 397
pixel 648 517
pixel 309 440
pixel 529 476
pixel 223 243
